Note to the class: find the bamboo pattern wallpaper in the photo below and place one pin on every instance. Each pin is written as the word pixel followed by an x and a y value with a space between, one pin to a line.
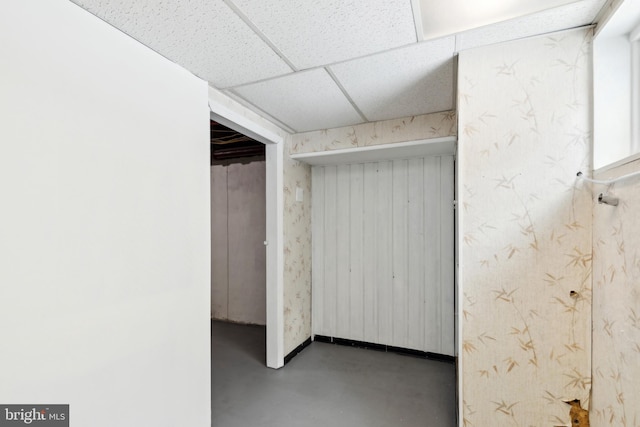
pixel 524 230
pixel 297 253
pixel 375 133
pixel 616 308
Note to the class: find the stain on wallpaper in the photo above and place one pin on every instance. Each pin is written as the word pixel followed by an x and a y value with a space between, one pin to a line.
pixel 616 308
pixel 297 253
pixel 385 132
pixel 525 230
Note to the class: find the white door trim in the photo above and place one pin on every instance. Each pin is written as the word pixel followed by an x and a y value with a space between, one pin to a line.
pixel 274 240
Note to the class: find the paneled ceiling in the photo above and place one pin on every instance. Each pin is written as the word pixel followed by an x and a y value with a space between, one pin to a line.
pixel 308 64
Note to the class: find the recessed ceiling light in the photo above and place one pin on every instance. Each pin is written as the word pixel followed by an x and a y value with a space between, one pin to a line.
pixel 440 18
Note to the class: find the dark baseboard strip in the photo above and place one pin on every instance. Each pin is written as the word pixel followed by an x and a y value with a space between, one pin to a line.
pixel 297 350
pixel 360 344
pixel 322 338
pixel 385 348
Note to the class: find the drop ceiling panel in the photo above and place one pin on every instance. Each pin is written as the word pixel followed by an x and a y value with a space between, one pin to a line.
pixel 304 101
pixel 204 36
pixel 441 18
pixel 568 16
pixel 403 82
pixel 312 33
pixel 253 49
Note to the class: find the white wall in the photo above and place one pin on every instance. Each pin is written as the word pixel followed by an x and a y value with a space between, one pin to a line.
pixel 104 177
pixel 383 253
pixel 612 100
pixel 238 255
pixel 616 84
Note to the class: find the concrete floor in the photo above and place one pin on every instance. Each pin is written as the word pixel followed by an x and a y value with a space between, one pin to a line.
pixel 325 385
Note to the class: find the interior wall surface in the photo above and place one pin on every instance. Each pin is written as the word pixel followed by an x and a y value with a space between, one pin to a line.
pixel 525 248
pixel 616 301
pixel 297 251
pixel 297 270
pixel 238 230
pixel 104 176
pixel 426 126
pixel 383 255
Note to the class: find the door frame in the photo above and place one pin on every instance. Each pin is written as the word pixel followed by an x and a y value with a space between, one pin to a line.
pixel 274 239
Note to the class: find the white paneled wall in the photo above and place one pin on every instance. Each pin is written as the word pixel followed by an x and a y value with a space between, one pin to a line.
pixel 383 253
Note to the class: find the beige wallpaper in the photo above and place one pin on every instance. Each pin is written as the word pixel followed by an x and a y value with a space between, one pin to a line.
pixel 297 253
pixel 616 309
pixel 385 132
pixel 525 230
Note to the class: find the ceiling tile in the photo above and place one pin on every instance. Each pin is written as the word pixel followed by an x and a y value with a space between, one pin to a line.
pixel 404 82
pixel 313 33
pixel 304 101
pixel 204 36
pixel 568 16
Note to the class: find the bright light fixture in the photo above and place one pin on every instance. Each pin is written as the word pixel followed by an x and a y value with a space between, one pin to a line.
pixel 441 18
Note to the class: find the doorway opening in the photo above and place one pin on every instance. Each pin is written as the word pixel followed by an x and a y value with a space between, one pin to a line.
pixel 273 236
pixel 238 227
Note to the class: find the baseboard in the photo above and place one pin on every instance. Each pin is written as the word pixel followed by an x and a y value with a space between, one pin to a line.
pixel 386 348
pixel 297 350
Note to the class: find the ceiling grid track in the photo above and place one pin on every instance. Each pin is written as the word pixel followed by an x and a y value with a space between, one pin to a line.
pixel 346 95
pixel 259 33
pixel 326 66
pixel 251 106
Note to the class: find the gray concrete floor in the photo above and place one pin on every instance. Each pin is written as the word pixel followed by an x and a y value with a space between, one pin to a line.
pixel 325 385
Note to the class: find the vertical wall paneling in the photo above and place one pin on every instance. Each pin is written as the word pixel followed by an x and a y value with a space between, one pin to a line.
pixel 383 252
pixel 432 220
pixel 415 254
pixel 384 259
pixel 399 246
pixel 356 288
pixel 343 224
pixel 369 252
pixel 330 240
